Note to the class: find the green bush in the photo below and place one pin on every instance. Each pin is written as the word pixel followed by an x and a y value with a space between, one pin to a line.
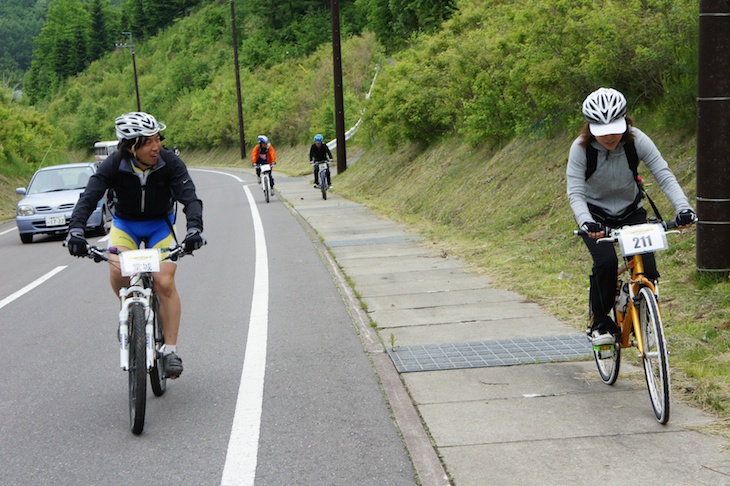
pixel 505 68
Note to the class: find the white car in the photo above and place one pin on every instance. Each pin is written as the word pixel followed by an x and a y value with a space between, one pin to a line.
pixel 50 199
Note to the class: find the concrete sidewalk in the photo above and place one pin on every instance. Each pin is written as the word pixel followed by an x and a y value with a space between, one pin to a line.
pixel 463 351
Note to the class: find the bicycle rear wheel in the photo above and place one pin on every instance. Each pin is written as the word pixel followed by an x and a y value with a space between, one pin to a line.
pixel 267 187
pixel 158 380
pixel 655 358
pixel 607 357
pixel 137 369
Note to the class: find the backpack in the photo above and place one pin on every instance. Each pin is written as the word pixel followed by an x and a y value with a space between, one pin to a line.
pixel 631 155
pixel 633 159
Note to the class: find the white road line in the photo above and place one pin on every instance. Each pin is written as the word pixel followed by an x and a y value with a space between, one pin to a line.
pixel 30 286
pixel 241 459
pixel 8 231
pixel 218 172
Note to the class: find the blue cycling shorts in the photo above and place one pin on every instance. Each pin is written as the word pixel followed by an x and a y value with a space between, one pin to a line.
pixel 155 233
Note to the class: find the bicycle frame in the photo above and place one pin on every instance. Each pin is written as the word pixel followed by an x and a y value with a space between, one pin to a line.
pixel 629 321
pixel 139 291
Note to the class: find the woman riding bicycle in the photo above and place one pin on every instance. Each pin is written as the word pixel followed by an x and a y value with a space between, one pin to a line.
pixel 146 181
pixel 263 153
pixel 603 191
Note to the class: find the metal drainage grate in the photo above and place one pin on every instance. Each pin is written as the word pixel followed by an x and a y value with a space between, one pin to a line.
pixel 481 354
pixel 372 241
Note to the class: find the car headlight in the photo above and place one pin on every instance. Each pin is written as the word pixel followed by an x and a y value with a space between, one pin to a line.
pixel 25 210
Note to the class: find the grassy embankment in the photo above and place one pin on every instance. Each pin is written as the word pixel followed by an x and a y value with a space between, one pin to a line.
pixel 506 213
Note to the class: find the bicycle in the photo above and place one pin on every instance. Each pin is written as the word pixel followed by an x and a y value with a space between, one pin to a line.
pixel 323 167
pixel 265 180
pixel 637 313
pixel 141 336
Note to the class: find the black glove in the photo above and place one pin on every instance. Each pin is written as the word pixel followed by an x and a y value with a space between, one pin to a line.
pixel 193 241
pixel 593 227
pixel 76 243
pixel 685 217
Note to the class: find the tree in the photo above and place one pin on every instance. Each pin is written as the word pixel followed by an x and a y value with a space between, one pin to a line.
pixel 99 39
pixel 61 48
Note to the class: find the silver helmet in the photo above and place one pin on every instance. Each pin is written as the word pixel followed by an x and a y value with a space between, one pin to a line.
pixel 605 111
pixel 137 124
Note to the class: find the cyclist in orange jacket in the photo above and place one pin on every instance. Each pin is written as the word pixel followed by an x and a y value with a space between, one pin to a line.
pixel 263 153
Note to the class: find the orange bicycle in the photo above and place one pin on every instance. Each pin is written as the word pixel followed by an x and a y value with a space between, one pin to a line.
pixel 637 313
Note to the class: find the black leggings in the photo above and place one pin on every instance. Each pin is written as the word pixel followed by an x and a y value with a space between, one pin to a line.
pixel 605 266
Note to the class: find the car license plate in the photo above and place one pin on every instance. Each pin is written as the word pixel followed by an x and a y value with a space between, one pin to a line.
pixel 55 220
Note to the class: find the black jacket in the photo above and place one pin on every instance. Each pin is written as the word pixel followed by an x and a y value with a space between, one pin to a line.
pixel 168 182
pixel 319 154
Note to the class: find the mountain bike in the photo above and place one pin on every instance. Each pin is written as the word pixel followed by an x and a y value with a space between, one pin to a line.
pixel 265 180
pixel 324 168
pixel 141 337
pixel 637 313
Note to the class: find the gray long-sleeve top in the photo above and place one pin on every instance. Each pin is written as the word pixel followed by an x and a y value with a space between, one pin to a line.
pixel 612 186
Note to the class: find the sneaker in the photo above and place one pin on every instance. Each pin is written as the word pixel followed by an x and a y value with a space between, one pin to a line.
pixel 600 338
pixel 316 186
pixel 173 365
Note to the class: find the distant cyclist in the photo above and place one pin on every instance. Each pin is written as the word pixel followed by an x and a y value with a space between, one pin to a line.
pixel 320 152
pixel 146 181
pixel 263 153
pixel 603 191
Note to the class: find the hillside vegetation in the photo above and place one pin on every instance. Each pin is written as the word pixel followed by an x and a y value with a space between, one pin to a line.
pixel 471 125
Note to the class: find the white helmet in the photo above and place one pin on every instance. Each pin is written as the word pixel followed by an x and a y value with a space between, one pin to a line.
pixel 263 139
pixel 137 124
pixel 605 111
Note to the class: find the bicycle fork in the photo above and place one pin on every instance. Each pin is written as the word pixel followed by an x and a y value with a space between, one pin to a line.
pixel 129 296
pixel 634 312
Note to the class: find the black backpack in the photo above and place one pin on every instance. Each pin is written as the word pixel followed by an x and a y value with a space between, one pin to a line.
pixel 631 155
pixel 633 159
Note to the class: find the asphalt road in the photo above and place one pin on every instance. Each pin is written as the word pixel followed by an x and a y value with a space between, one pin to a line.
pixel 300 405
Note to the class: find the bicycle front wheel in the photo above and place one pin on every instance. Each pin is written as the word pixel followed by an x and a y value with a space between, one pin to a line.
pixel 655 357
pixel 137 369
pixel 267 187
pixel 158 380
pixel 323 183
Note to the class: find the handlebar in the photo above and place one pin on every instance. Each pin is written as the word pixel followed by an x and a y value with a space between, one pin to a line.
pixel 99 254
pixel 611 233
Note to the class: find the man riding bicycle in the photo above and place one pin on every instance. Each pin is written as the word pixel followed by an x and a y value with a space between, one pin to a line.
pixel 319 152
pixel 263 153
pixel 147 180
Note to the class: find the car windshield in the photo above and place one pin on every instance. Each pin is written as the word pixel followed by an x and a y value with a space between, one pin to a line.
pixel 62 179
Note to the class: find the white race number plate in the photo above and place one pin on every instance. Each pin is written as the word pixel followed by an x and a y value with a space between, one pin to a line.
pixel 139 261
pixel 642 238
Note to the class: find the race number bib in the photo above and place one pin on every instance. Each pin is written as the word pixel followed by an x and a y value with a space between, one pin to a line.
pixel 139 261
pixel 642 238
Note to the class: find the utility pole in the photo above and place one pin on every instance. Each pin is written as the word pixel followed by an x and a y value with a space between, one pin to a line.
pixel 713 138
pixel 130 45
pixel 339 103
pixel 241 139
